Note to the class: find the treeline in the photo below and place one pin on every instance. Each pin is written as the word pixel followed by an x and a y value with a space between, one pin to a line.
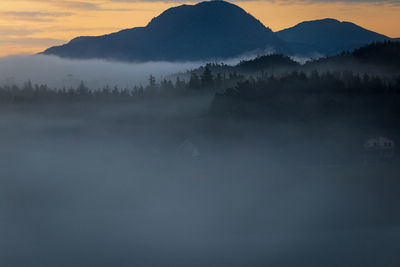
pixel 255 89
pixel 376 58
pixel 303 96
pixel 380 53
pixel 206 81
pixel 29 93
pixel 294 95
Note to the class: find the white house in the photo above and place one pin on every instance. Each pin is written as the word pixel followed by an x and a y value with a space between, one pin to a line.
pixel 187 148
pixel 379 147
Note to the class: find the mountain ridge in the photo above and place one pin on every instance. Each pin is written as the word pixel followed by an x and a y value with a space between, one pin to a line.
pixel 216 30
pixel 328 36
pixel 188 32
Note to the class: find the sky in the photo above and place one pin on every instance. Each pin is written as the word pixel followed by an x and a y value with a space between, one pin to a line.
pixel 30 26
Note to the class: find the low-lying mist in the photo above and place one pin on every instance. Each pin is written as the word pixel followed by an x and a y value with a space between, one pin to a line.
pixel 221 169
pixel 59 73
pixel 158 183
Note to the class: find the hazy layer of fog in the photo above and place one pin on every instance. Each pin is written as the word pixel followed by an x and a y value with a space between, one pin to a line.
pixel 59 73
pixel 110 185
pixel 85 184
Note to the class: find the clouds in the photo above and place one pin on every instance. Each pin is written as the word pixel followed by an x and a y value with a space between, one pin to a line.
pixel 38 42
pixel 77 5
pixel 34 16
pixel 7 31
pixel 31 26
pixel 71 4
pixel 95 5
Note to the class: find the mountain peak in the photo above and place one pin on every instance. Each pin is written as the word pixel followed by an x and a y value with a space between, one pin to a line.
pixel 328 36
pixel 208 13
pixel 325 20
pixel 204 31
pixel 215 30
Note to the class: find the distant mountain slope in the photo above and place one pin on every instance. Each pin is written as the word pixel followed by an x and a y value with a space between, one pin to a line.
pixel 381 56
pixel 386 53
pixel 267 63
pixel 327 37
pixel 205 31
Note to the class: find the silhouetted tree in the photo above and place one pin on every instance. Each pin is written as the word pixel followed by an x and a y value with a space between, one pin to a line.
pixel 152 81
pixel 207 78
pixel 194 82
pixel 83 90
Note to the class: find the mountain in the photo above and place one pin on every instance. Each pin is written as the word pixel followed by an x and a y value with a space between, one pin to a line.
pixel 376 59
pixel 205 31
pixel 217 30
pixel 380 57
pixel 327 37
pixel 267 63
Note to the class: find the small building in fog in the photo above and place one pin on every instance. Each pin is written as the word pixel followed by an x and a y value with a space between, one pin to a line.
pixel 379 148
pixel 188 149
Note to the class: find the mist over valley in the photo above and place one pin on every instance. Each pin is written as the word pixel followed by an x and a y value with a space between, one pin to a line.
pixel 151 148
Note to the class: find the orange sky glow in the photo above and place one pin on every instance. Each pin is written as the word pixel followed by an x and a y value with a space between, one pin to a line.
pixel 30 26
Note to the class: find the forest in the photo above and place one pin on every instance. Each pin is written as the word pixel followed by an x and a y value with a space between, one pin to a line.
pixel 272 87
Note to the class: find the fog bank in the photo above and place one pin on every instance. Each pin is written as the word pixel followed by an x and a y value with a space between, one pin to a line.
pixel 110 185
pixel 58 72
